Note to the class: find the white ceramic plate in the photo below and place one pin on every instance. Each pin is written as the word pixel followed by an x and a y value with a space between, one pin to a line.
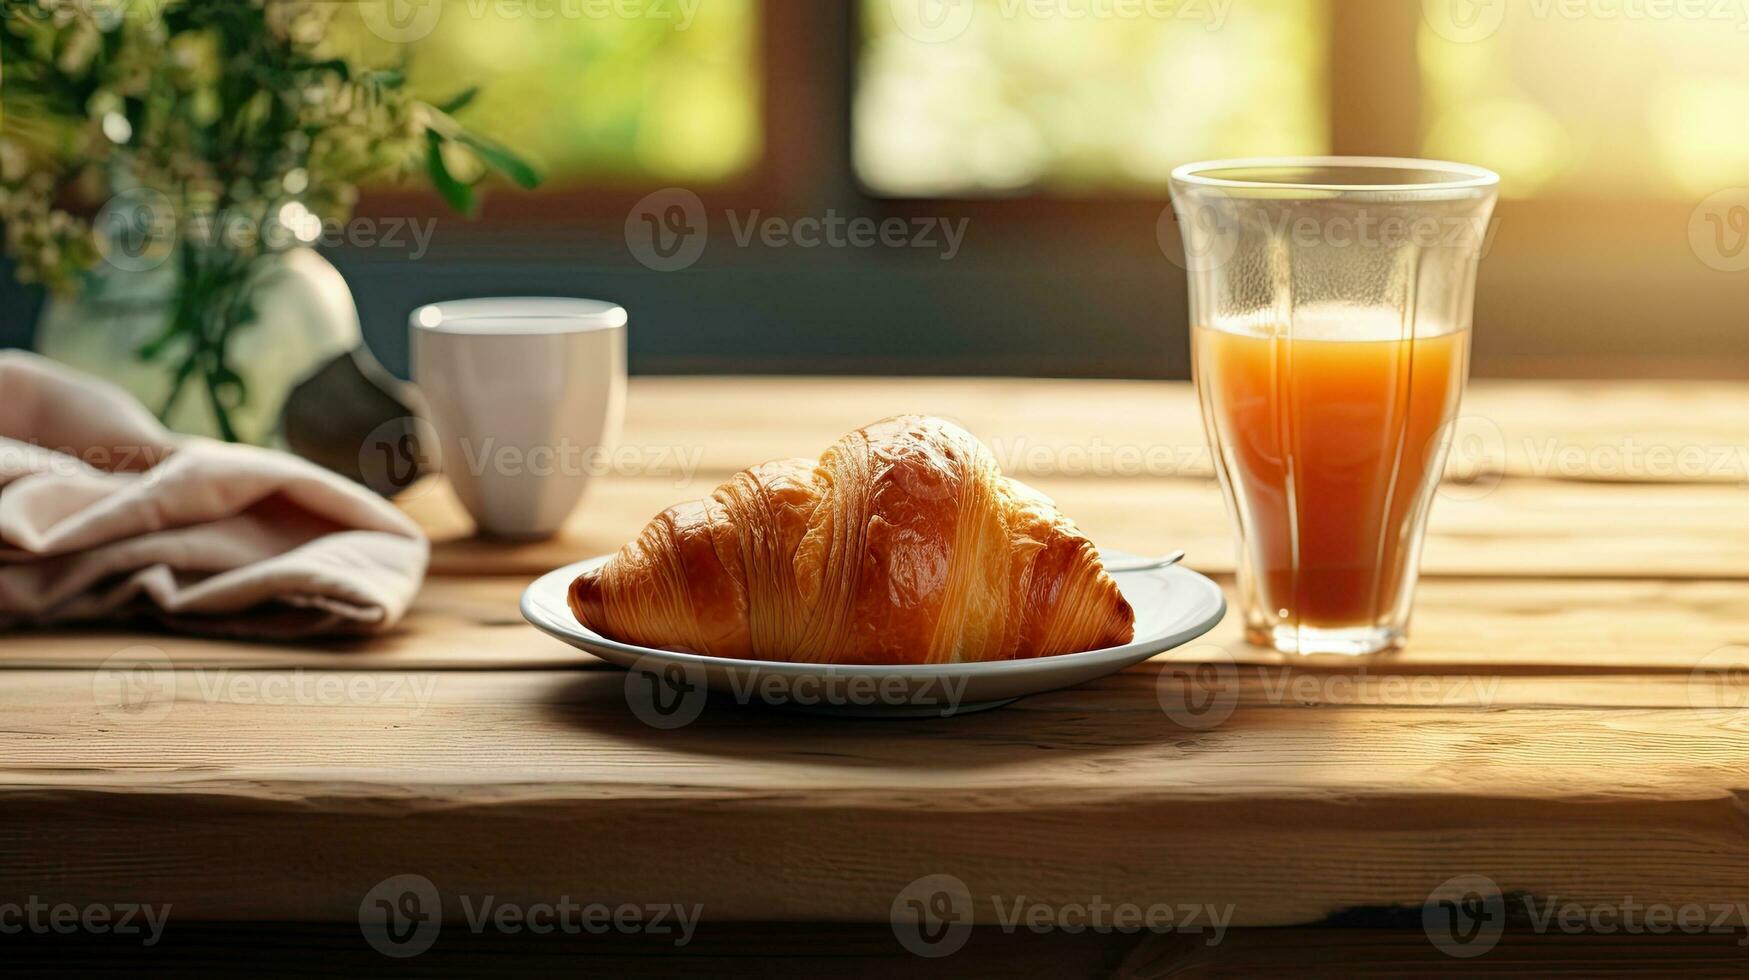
pixel 667 688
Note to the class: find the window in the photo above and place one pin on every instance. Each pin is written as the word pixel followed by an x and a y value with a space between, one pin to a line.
pixel 1593 105
pixel 984 97
pixel 1048 124
pixel 587 94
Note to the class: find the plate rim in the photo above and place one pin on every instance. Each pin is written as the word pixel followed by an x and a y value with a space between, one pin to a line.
pixel 565 573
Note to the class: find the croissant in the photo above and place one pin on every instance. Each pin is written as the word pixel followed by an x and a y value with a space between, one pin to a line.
pixel 903 544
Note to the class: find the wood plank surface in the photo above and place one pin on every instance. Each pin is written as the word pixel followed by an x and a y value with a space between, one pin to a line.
pixel 531 782
pixel 1571 717
pixel 1520 528
pixel 1613 431
pixel 472 623
pixel 791 949
pixel 1129 462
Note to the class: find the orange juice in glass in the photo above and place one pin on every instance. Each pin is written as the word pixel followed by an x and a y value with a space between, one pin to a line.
pixel 1331 303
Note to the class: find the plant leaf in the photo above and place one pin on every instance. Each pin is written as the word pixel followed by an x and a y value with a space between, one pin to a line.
pixel 459 101
pixel 504 161
pixel 459 196
pixel 338 66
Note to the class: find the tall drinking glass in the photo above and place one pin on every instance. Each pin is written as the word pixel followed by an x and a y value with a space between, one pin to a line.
pixel 1330 306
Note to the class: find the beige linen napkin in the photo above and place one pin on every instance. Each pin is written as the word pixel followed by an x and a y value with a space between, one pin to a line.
pixel 105 516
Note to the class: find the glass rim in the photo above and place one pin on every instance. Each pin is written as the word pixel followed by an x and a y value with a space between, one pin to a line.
pixel 518 315
pixel 1462 177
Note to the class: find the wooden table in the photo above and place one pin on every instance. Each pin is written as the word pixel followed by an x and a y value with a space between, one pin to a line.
pixel 1570 721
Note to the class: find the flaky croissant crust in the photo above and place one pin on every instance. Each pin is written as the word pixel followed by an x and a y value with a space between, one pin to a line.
pixel 903 544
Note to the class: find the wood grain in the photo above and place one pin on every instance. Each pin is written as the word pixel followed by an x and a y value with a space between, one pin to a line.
pixel 792 949
pixel 1519 528
pixel 1587 430
pixel 1551 478
pixel 486 780
pixel 471 623
pixel 1571 718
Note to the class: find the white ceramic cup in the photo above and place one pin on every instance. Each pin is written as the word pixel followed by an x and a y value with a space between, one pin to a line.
pixel 527 396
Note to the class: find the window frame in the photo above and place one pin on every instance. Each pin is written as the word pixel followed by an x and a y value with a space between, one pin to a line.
pixel 1613 262
pixel 792 102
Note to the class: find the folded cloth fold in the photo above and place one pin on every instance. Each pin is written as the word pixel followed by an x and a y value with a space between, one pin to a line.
pixel 106 516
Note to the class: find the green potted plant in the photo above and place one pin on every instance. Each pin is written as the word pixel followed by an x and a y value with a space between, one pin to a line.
pixel 165 167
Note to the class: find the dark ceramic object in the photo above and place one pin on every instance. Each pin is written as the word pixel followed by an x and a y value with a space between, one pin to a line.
pixel 353 417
